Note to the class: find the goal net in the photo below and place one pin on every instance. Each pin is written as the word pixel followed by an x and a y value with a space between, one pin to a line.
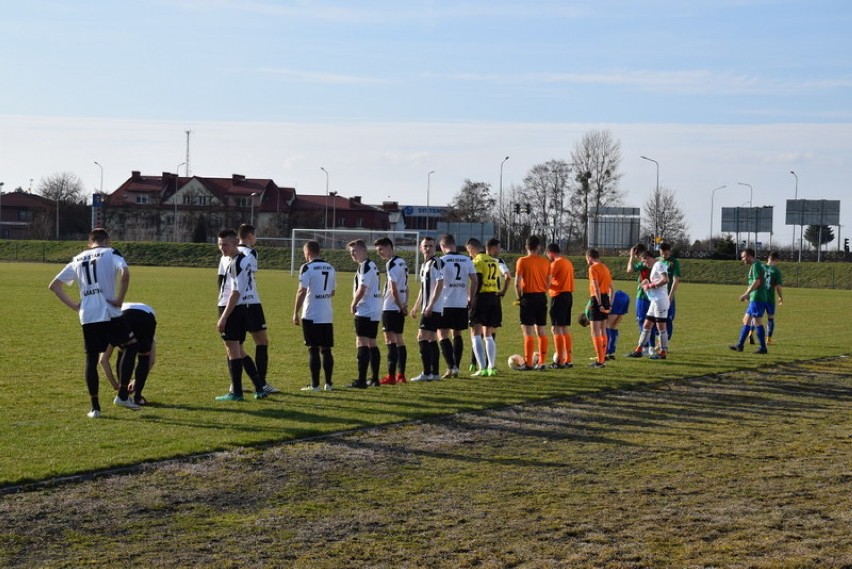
pixel 405 243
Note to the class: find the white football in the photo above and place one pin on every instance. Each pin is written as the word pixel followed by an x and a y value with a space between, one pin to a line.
pixel 555 358
pixel 516 361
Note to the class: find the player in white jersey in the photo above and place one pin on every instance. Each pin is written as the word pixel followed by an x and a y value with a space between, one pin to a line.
pixel 432 301
pixel 143 323
pixel 655 287
pixel 256 321
pixel 459 284
pixel 367 308
pixel 394 310
pixel 99 309
pixel 315 312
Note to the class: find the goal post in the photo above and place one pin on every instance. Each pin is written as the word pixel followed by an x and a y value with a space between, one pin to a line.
pixel 337 239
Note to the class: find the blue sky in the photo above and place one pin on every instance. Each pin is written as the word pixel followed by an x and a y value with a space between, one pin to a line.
pixel 380 93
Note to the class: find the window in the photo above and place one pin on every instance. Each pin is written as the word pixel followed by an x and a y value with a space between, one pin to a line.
pixel 25 215
pixel 359 222
pixel 244 202
pixel 142 199
pixel 205 200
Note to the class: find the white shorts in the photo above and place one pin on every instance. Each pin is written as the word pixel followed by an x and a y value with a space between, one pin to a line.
pixel 659 308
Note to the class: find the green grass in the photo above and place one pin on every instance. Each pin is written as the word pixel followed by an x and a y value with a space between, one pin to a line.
pixel 43 401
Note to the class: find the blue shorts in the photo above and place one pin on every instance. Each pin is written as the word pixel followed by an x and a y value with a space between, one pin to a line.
pixel 770 308
pixel 756 309
pixel 620 303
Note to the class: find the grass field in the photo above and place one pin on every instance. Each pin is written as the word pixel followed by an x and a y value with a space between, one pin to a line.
pixel 45 433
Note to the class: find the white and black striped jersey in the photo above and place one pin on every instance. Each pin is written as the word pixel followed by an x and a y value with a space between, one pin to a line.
pixel 457 272
pixel 431 271
pixel 224 286
pixel 251 266
pixel 94 270
pixel 503 268
pixel 397 272
pixel 370 305
pixel 319 279
pixel 237 277
pixel 138 306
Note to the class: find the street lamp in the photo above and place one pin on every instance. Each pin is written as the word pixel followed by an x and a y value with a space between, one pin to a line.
pixel 333 209
pixel 802 215
pixel 501 195
pixel 751 205
pixel 712 198
pixel 428 188
pixel 656 199
pixel 325 215
pixel 253 195
pixel 101 190
pixel 174 197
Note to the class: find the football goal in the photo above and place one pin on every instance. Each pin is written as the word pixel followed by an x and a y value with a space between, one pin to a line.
pixel 336 239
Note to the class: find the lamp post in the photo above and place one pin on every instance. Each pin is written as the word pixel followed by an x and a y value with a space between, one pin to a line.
pixel 251 219
pixel 750 205
pixel 101 190
pixel 428 188
pixel 802 215
pixel 325 215
pixel 501 195
pixel 174 198
pixel 712 198
pixel 333 210
pixel 656 199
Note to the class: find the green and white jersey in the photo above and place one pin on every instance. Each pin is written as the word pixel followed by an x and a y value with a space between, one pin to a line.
pixel 674 270
pixel 643 273
pixel 773 279
pixel 757 272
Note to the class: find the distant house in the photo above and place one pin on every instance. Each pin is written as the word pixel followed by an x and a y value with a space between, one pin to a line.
pixel 175 208
pixel 26 216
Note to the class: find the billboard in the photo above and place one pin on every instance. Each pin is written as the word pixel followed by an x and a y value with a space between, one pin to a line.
pixel 747 219
pixel 813 212
pixel 613 227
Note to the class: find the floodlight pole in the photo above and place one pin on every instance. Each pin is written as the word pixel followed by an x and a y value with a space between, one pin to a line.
pixel 174 197
pixel 656 200
pixel 801 217
pixel 428 189
pixel 501 197
pixel 325 215
pixel 712 198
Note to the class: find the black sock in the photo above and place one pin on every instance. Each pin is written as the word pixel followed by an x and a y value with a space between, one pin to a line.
pixel 314 364
pixel 261 360
pixel 251 371
pixel 458 348
pixel 126 363
pixel 426 356
pixel 235 367
pixel 435 356
pixel 92 379
pixel 375 361
pixel 447 351
pixel 143 366
pixel 327 364
pixel 393 354
pixel 402 357
pixel 363 357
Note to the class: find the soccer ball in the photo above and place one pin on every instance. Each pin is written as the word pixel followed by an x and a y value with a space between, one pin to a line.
pixel 516 361
pixel 556 357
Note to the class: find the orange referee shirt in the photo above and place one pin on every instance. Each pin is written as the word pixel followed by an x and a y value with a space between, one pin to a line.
pixel 533 271
pixel 561 276
pixel 600 273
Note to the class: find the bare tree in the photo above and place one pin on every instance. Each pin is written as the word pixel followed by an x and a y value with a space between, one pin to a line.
pixel 595 160
pixel 546 187
pixel 64 187
pixel 473 204
pixel 666 210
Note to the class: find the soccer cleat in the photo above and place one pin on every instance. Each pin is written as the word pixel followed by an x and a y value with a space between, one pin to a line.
pixel 229 397
pixel 635 354
pixel 540 367
pixel 422 377
pixel 769 340
pixel 400 378
pixel 480 373
pixel 310 388
pixel 761 351
pixel 567 365
pixel 610 357
pixel 388 380
pixel 93 414
pixel 450 373
pixel 269 390
pixel 597 365
pixel 751 338
pixel 736 347
pixel 358 385
pixel 373 383
pixel 660 356
pixel 491 372
pixel 328 387
pixel 128 403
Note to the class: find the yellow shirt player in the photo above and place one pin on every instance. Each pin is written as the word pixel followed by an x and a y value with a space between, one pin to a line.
pixel 484 309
